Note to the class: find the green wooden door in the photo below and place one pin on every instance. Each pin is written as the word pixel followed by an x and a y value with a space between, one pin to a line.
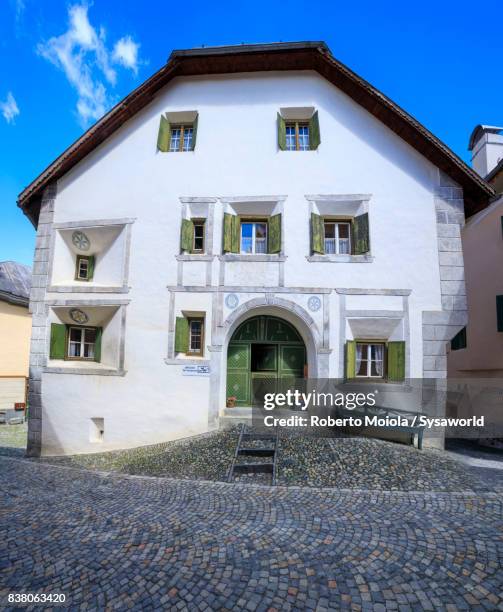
pixel 238 373
pixel 265 351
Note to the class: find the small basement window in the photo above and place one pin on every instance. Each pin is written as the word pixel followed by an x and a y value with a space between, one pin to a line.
pixel 84 268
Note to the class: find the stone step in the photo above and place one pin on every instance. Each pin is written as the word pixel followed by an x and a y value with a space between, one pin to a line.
pixel 258 436
pixel 258 451
pixel 253 468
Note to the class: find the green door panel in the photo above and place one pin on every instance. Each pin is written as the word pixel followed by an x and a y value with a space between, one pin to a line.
pixel 238 357
pixel 292 360
pixel 238 385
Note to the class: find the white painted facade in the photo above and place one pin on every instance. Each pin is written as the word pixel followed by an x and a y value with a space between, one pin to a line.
pixel 130 198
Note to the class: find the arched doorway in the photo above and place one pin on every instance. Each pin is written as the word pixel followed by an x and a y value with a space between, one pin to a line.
pixel 264 348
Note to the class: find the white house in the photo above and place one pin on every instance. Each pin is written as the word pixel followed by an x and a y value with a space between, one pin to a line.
pixel 247 211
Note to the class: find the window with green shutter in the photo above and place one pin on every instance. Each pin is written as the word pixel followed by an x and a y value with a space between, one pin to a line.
pixel 186 235
pixel 361 234
pixel 182 335
pixel 231 233
pixel 317 234
pixel 164 135
pixel 499 312
pixel 374 360
pixel 84 267
pixel 274 234
pixel 58 341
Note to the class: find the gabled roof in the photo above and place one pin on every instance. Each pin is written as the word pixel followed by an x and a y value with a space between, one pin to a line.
pixel 258 58
pixel 15 283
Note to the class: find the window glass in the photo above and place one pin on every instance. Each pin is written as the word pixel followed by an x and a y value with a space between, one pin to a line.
pixel 329 238
pixel 291 144
pixel 247 237
pixel 81 343
pixel 83 268
pixel 344 245
pixel 303 138
pixel 175 139
pixel 260 238
pixel 89 341
pixel 74 342
pixel 187 138
pixel 198 236
pixel 196 332
pixel 370 360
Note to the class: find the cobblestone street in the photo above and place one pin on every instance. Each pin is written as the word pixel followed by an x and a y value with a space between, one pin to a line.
pixel 119 542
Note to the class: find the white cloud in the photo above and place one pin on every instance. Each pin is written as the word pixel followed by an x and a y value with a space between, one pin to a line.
pixel 19 6
pixel 81 53
pixel 126 53
pixel 9 108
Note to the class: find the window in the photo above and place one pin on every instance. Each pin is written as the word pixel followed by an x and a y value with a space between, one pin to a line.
pixel 253 237
pixel 297 136
pixel 84 268
pixel 198 236
pixel 369 360
pixel 81 343
pixel 181 138
pixel 196 329
pixel 459 340
pixel 337 236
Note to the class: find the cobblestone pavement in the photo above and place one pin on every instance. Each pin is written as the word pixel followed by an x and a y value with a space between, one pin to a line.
pixel 125 542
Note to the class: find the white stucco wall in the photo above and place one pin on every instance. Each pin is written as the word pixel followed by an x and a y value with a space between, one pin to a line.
pixel 236 155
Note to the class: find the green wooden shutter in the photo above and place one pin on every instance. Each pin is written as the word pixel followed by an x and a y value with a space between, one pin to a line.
pixel 228 233
pixel 396 361
pixel 186 235
pixel 194 133
pixel 350 359
pixel 314 132
pixel 274 234
pixel 58 341
pixel 181 335
pixel 499 312
pixel 90 267
pixel 317 234
pixel 361 234
pixel 97 344
pixel 164 136
pixel 281 133
pixel 236 229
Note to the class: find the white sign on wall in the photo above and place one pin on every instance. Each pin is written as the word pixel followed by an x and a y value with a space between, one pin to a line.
pixel 196 370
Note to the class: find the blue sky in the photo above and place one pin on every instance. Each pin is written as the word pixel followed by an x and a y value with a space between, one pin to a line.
pixel 62 64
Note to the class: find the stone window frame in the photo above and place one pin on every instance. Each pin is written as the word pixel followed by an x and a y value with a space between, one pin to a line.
pixel 127 222
pixel 98 370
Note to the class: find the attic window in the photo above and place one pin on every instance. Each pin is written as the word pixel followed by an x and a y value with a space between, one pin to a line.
pixel 177 132
pixel 298 129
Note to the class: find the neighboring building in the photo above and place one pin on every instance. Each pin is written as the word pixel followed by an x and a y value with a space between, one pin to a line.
pixel 15 332
pixel 252 211
pixel 477 351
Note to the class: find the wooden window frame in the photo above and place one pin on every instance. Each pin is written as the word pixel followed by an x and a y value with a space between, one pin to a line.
pixel 368 377
pixel 296 125
pixel 199 353
pixel 198 221
pixel 349 221
pixel 79 258
pixel 182 127
pixel 67 342
pixel 246 219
